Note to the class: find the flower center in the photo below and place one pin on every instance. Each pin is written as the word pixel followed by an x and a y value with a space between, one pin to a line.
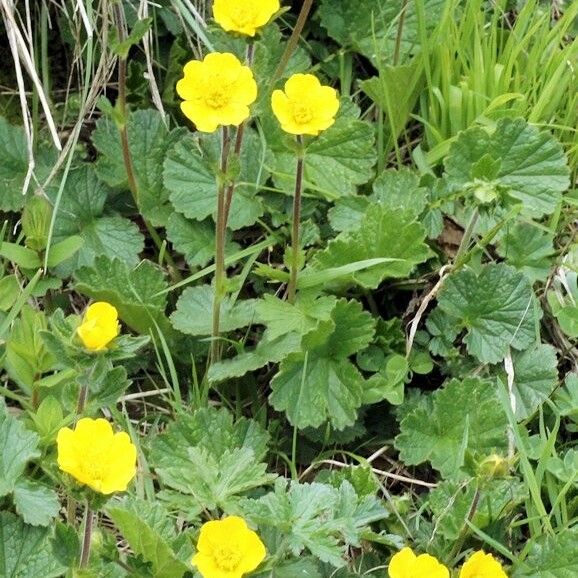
pixel 242 14
pixel 217 97
pixel 302 113
pixel 227 557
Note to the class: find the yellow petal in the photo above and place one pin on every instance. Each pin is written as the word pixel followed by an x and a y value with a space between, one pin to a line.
pixel 401 564
pixel 200 115
pixel 299 86
pixel 427 566
pixel 281 107
pixel 245 87
pixel 267 9
pixel 482 565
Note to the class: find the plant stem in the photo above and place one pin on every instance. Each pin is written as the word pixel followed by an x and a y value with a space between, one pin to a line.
pixel 295 244
pixel 86 540
pixel 293 40
pixel 220 247
pixel 238 140
pixel 82 396
pixel 465 529
pixel 461 255
pixel 400 25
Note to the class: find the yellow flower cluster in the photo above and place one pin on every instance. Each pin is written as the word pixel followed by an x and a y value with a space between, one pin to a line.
pixel 227 548
pixel 218 90
pixel 99 326
pixel 405 564
pixel 96 456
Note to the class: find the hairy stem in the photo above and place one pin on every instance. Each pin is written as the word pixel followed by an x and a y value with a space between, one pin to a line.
pixel 295 241
pixel 220 247
pixel 86 540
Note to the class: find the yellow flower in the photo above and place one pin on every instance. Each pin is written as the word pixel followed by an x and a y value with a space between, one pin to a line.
pixel 306 107
pixel 227 548
pixel 216 91
pixel 99 326
pixel 96 456
pixel 405 564
pixel 482 565
pixel 244 16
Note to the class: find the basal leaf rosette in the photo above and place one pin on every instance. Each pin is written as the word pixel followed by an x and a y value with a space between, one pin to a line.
pixel 97 457
pixel 405 564
pixel 244 16
pixel 228 548
pixel 305 107
pixel 99 326
pixel 216 91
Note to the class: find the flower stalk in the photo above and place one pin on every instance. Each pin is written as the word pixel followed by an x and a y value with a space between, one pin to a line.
pixel 295 233
pixel 220 245
pixel 87 537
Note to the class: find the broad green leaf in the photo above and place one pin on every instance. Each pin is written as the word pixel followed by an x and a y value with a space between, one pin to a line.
pixel 497 308
pixel 551 556
pixel 190 171
pixel 132 290
pixel 348 212
pixel 303 568
pixel 19 255
pixel 215 480
pixel 26 551
pixel 535 378
pixel 566 470
pixel 400 190
pixel 193 312
pixel 371 28
pixel 38 505
pixel 465 415
pixel 14 166
pixel 533 169
pixel 145 540
pixel 383 233
pixel 148 140
pixel 64 250
pixel 529 249
pixel 27 358
pixel 18 446
pixel 315 517
pixel 336 162
pixel 82 213
pixel 9 291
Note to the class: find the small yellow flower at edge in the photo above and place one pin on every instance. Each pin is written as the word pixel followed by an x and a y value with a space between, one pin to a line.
pixel 227 548
pixel 216 91
pixel 306 106
pixel 405 564
pixel 99 326
pixel 244 16
pixel 482 565
pixel 96 456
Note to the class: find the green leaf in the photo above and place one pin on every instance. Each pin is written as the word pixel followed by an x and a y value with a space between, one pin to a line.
pixel 535 378
pixel 566 470
pixel 133 291
pixel 497 308
pixel 17 447
pixel 193 312
pixel 9 291
pixel 149 140
pixel 190 171
pixel 26 551
pixel 371 28
pixel 14 166
pixel 145 540
pixel 383 233
pixel 19 255
pixel 529 249
pixel 336 162
pixel 139 29
pixel 64 250
pixel 82 213
pixel 551 556
pixel 37 504
pixel 464 415
pixel 533 169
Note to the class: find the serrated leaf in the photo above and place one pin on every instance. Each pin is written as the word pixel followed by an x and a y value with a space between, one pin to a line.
pixel 535 378
pixel 383 233
pixel 37 504
pixel 336 162
pixel 400 190
pixel 148 140
pixel 14 166
pixel 132 290
pixel 551 556
pixel 26 551
pixel 190 172
pixel 193 312
pixel 533 168
pixel 529 249
pixel 464 415
pixel 145 540
pixel 18 446
pixel 82 213
pixel 496 307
